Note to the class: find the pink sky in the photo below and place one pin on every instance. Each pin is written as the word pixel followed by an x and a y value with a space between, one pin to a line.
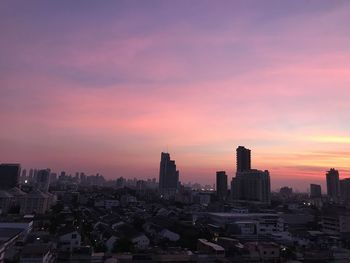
pixel 105 87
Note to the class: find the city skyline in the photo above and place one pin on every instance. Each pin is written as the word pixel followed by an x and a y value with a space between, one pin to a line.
pixel 105 87
pixel 243 159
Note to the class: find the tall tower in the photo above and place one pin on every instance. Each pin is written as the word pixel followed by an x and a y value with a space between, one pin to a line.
pixel 43 180
pixel 333 186
pixel 243 159
pixel 250 185
pixel 168 175
pixel 221 185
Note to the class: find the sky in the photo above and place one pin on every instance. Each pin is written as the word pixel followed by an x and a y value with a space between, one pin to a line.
pixel 106 86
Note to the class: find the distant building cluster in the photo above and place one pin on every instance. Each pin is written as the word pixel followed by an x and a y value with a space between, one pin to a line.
pixel 49 217
pixel 37 200
pixel 168 176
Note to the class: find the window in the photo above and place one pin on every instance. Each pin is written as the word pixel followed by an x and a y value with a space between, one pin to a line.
pixel 74 236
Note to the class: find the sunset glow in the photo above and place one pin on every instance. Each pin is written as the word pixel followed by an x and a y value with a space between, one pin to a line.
pixel 106 86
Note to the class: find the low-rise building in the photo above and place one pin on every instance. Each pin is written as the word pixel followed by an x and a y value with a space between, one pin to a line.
pixel 261 223
pixel 68 239
pixel 35 202
pixel 262 251
pixel 335 224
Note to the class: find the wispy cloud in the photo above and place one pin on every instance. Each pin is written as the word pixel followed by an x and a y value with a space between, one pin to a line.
pixel 111 83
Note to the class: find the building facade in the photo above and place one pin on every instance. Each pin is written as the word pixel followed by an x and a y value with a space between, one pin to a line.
pixel 252 186
pixel 43 180
pixel 315 191
pixel 333 185
pixel 221 185
pixel 243 162
pixel 168 176
pixel 345 190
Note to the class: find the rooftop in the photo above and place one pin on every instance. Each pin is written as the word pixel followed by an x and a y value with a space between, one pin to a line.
pixel 8 233
pixel 35 250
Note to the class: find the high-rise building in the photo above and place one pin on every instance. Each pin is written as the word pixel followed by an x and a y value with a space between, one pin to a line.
pixel 333 186
pixel 221 185
pixel 43 180
pixel 250 184
pixel 345 190
pixel 315 191
pixel 253 186
pixel 243 159
pixel 9 175
pixel 168 176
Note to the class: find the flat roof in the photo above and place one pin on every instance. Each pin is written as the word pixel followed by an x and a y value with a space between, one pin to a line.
pixel 242 215
pixel 8 233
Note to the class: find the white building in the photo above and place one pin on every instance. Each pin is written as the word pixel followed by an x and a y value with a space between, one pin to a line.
pixel 264 223
pixel 69 239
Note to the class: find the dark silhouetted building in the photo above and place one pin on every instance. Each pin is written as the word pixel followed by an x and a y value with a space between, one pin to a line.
pixel 221 185
pixel 253 185
pixel 286 191
pixel 168 176
pixel 243 159
pixel 333 186
pixel 43 180
pixel 9 175
pixel 250 184
pixel 345 190
pixel 315 191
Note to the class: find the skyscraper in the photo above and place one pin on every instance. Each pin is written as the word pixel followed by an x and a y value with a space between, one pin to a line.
pixel 221 185
pixel 168 176
pixel 250 184
pixel 315 191
pixel 9 175
pixel 43 180
pixel 243 159
pixel 333 186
